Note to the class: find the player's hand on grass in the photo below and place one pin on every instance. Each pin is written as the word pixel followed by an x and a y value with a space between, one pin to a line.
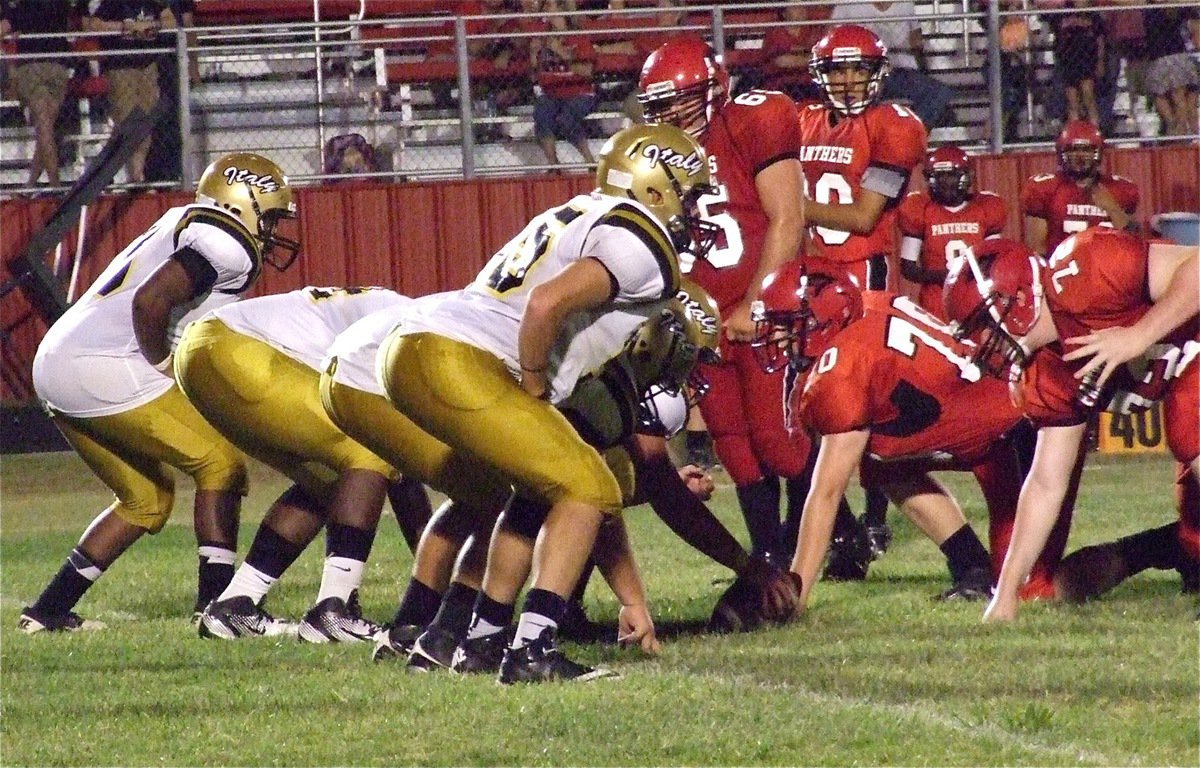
pixel 635 627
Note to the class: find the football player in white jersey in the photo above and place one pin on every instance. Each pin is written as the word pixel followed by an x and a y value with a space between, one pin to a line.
pixel 104 373
pixel 480 368
pixel 253 370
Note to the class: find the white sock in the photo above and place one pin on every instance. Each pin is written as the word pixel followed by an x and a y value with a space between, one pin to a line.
pixel 530 627
pixel 248 581
pixel 216 555
pixel 341 576
pixel 481 628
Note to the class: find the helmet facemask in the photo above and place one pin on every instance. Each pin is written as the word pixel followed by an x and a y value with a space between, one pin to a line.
pixel 1080 161
pixel 853 93
pixel 1000 316
pixel 949 187
pixel 271 239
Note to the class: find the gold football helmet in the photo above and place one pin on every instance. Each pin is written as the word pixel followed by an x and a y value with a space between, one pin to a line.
pixel 665 170
pixel 704 330
pixel 257 192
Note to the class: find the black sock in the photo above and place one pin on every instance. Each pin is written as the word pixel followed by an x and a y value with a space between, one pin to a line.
pixel 75 577
pixel 454 615
pixel 965 552
pixel 491 614
pixel 348 541
pixel 213 573
pixel 877 507
pixel 697 440
pixel 418 606
pixel 1155 548
pixel 545 603
pixel 845 525
pixel 271 553
pixel 760 509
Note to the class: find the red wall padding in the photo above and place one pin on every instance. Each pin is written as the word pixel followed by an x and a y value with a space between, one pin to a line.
pixel 422 238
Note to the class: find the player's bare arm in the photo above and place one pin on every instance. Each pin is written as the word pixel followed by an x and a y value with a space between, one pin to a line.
pixel 858 217
pixel 168 287
pixel 614 558
pixel 837 460
pixel 1035 234
pixel 780 187
pixel 1041 498
pixel 1174 285
pixel 583 285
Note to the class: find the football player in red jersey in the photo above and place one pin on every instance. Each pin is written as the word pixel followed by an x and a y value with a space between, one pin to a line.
pixel 888 387
pixel 858 155
pixel 753 148
pixel 1079 196
pixel 1112 298
pixel 939 224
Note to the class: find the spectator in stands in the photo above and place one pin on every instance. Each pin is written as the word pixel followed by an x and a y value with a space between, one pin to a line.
pixel 132 77
pixel 1172 77
pixel 165 159
pixel 1014 67
pixel 787 51
pixel 41 84
pixel 1126 35
pixel 638 45
pixel 348 155
pixel 894 24
pixel 562 67
pixel 1079 58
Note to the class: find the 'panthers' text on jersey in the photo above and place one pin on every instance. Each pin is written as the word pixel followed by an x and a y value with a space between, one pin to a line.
pixel 1068 207
pixel 876 150
pixel 750 133
pixel 620 234
pixel 936 236
pixel 900 373
pixel 303 324
pixel 89 363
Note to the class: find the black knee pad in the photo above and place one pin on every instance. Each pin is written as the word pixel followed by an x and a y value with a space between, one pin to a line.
pixel 525 516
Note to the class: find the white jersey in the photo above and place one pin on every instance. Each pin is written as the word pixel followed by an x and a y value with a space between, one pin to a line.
pixel 357 348
pixel 89 363
pixel 621 234
pixel 302 324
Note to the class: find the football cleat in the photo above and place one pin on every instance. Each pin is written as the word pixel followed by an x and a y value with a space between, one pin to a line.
pixel 239 616
pixel 975 584
pixel 481 655
pixel 1089 572
pixel 849 557
pixel 432 650
pixel 33 621
pixel 879 538
pixel 541 661
pixel 334 620
pixel 576 625
pixel 395 641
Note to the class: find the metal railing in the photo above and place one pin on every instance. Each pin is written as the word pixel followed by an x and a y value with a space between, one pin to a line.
pixel 286 89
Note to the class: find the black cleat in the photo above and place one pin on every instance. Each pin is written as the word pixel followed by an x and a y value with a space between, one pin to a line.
pixel 482 655
pixel 540 661
pixel 334 620
pixel 33 621
pixel 975 584
pixel 433 649
pixel 849 557
pixel 238 617
pixel 879 538
pixel 578 627
pixel 395 641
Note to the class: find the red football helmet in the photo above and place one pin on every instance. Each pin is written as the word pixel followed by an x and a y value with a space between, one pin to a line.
pixel 950 173
pixel 1079 147
pixel 683 83
pixel 803 305
pixel 993 297
pixel 855 48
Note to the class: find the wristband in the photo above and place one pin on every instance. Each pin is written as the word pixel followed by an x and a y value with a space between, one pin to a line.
pixel 165 365
pixel 534 370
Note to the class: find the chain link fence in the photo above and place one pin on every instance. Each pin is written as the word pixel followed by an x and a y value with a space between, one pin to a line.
pixel 435 95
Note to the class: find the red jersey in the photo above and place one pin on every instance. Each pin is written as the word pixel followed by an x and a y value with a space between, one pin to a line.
pixel 900 373
pixel 1098 279
pixel 876 150
pixel 1047 391
pixel 750 133
pixel 1068 207
pixel 945 233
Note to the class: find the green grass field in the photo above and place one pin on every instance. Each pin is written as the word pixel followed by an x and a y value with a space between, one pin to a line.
pixel 876 673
